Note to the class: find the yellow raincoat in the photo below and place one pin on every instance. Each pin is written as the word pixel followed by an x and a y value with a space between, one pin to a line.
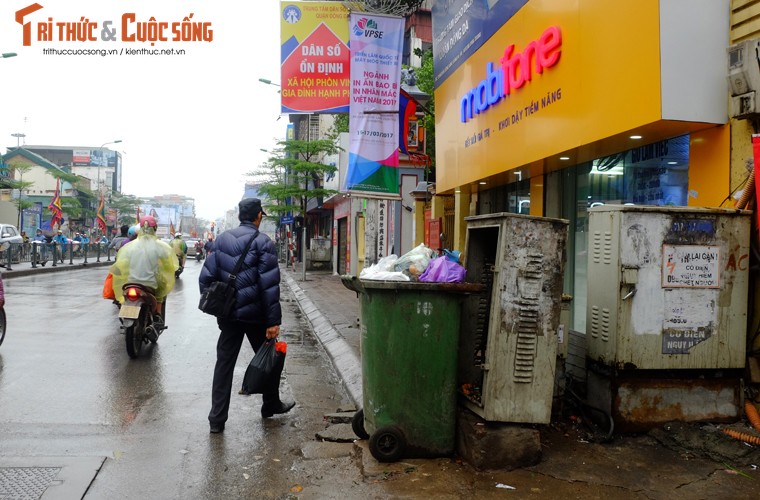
pixel 147 261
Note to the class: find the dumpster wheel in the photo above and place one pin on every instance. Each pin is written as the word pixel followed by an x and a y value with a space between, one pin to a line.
pixel 387 444
pixel 357 425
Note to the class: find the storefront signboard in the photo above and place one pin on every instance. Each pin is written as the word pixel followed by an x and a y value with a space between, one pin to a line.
pixel 460 27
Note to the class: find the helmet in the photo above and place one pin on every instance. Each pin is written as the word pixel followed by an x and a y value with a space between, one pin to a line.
pixel 148 224
pixel 148 221
pixel 178 235
pixel 132 231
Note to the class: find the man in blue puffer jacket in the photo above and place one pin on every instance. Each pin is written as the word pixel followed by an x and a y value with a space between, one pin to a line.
pixel 257 314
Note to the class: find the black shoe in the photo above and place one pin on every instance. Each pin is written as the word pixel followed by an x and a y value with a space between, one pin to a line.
pixel 216 428
pixel 276 408
pixel 158 323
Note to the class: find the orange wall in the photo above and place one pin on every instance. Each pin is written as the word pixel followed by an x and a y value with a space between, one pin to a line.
pixel 709 165
pixel 537 195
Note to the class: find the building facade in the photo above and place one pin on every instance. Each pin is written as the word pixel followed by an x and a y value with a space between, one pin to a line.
pixel 102 166
pixel 549 109
pixel 22 165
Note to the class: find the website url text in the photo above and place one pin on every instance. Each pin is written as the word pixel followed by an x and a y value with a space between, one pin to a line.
pixel 113 52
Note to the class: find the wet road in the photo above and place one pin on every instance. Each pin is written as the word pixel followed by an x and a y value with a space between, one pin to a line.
pixel 68 388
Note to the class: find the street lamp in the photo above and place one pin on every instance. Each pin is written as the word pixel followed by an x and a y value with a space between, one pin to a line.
pixel 18 136
pixel 103 159
pixel 268 82
pixel 103 156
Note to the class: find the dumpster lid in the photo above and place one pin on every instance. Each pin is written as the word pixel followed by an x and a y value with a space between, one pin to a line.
pixel 360 286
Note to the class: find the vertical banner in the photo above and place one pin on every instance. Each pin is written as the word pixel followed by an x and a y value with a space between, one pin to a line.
pixel 55 207
pixel 376 44
pixel 100 217
pixel 756 158
pixel 314 57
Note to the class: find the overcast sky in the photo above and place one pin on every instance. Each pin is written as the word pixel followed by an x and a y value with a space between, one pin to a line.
pixel 190 124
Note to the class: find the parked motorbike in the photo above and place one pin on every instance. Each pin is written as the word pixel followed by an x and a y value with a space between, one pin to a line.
pixel 139 322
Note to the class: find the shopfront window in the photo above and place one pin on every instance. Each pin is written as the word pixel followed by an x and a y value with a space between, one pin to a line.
pixel 513 198
pixel 653 174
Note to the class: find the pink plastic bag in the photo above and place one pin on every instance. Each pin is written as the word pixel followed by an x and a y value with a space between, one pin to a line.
pixel 442 270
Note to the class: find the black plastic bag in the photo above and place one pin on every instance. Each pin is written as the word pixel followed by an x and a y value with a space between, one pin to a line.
pixel 263 373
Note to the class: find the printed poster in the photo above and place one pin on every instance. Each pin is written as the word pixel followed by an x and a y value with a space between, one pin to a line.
pixel 315 57
pixel 376 45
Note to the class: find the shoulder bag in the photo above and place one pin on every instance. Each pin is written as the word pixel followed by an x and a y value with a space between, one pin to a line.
pixel 219 298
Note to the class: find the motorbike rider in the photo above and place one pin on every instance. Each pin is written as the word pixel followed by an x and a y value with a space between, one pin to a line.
pixel 198 250
pixel 62 242
pixel 180 249
pixel 147 261
pixel 40 243
pixel 208 247
pixel 118 241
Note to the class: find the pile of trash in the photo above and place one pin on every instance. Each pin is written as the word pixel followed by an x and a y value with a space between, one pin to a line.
pixel 419 264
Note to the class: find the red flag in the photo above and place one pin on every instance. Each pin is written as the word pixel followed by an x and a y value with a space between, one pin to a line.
pixel 55 205
pixel 756 157
pixel 101 216
pixel 407 110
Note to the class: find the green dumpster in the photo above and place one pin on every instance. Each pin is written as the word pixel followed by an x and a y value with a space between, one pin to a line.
pixel 409 341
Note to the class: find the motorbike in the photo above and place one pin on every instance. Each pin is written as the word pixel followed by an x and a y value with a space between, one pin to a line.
pixel 179 269
pixel 138 322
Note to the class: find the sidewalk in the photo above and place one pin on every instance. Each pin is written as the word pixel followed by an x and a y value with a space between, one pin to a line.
pixel 680 460
pixel 25 268
pixel 333 311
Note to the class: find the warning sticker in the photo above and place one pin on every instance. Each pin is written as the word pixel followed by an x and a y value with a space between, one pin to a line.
pixel 690 266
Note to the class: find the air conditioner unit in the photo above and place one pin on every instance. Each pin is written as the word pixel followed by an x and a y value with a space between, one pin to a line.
pixel 744 67
pixel 744 105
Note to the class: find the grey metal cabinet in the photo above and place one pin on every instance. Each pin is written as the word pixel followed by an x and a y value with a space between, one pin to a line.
pixel 508 338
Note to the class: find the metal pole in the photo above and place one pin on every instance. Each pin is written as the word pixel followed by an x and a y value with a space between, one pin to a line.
pixel 305 204
pixel 9 255
pixel 103 159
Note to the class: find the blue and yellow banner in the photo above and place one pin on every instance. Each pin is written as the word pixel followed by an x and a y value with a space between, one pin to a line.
pixel 315 57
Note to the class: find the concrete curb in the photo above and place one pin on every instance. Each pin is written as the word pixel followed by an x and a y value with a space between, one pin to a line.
pixel 346 362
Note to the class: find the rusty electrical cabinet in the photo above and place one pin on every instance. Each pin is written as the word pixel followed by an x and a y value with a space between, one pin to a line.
pixel 508 339
pixel 667 312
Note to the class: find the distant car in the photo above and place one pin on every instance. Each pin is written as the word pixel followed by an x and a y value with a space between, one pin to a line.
pixel 190 247
pixel 10 238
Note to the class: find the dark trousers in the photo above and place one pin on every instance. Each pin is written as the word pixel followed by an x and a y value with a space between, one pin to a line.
pixel 227 350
